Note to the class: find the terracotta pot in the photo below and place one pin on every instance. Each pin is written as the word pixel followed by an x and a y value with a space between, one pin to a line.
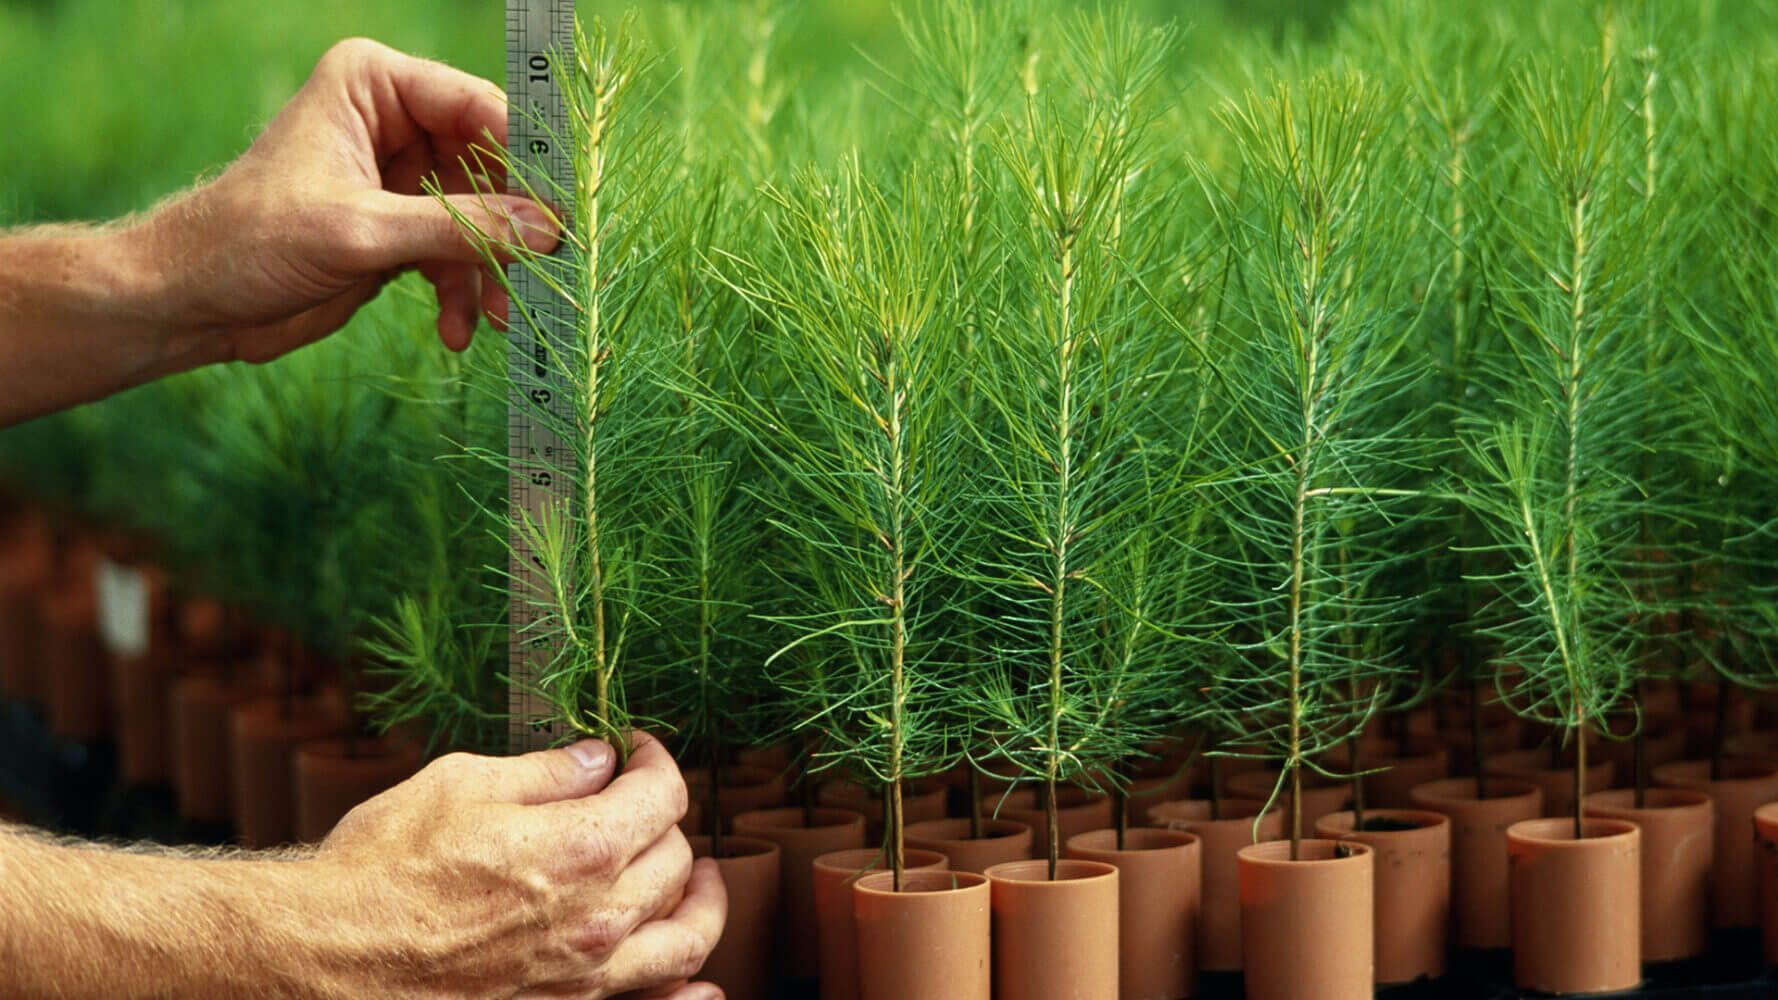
pixel 836 931
pixel 1765 830
pixel 1389 789
pixel 1306 930
pixel 1228 767
pixel 1576 905
pixel 1158 873
pixel 1761 744
pixel 75 666
pixel 1077 811
pixel 1660 698
pixel 330 784
pixel 833 830
pixel 1001 840
pixel 930 941
pixel 1219 841
pixel 141 691
pixel 20 676
pixel 1480 903
pixel 1557 782
pixel 742 961
pixel 1320 795
pixel 744 789
pixel 1746 785
pixel 27 565
pixel 1700 723
pixel 1663 743
pixel 1497 738
pixel 201 706
pixel 920 800
pixel 1677 849
pixel 778 758
pixel 262 749
pixel 1411 888
pixel 1055 939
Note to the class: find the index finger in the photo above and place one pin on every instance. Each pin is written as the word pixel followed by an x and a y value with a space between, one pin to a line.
pixel 634 811
pixel 403 98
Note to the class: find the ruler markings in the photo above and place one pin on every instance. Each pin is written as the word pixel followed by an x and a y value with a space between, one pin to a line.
pixel 539 48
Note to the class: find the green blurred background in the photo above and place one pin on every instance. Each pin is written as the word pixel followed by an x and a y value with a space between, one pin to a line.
pixel 110 105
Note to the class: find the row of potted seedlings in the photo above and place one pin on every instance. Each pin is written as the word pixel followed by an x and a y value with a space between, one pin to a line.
pixel 1076 541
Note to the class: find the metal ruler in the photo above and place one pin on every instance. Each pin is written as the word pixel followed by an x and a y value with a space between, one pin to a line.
pixel 539 54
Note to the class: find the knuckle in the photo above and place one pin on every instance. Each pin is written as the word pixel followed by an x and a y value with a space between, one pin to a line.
pixel 598 936
pixel 600 854
pixel 687 957
pixel 351 52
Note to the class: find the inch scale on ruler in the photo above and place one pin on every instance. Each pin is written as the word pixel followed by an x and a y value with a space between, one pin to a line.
pixel 539 34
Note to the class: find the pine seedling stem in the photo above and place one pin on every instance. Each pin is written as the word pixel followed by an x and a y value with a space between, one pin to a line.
pixel 1064 528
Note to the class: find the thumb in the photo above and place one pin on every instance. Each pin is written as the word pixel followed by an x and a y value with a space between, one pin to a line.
pixel 571 772
pixel 406 230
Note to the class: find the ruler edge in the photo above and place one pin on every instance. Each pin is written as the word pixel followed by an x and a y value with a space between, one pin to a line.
pixel 529 723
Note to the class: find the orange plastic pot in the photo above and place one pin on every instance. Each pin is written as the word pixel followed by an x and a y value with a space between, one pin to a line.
pixel 27 565
pixel 1497 738
pixel 920 800
pixel 1321 795
pixel 801 842
pixel 201 781
pixel 1678 846
pixel 929 941
pixel 1663 742
pixel 1057 938
pixel 1576 905
pixel 744 789
pixel 75 687
pixel 1411 887
pixel 1158 876
pixel 742 961
pixel 1744 787
pixel 1077 811
pixel 836 931
pixel 332 779
pixel 1557 782
pixel 262 746
pixel 1480 887
pixel 1765 829
pixel 1306 931
pixel 1390 788
pixel 1219 841
pixel 142 693
pixel 1001 840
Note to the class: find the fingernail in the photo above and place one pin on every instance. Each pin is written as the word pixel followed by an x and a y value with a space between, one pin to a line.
pixel 591 754
pixel 534 228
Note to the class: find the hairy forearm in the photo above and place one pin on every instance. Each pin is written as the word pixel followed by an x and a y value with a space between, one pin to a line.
pixel 81 316
pixel 79 921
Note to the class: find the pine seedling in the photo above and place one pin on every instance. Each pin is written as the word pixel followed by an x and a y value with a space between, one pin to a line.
pixel 1069 377
pixel 1451 65
pixel 594 546
pixel 1731 323
pixel 1309 354
pixel 705 674
pixel 863 439
pixel 439 650
pixel 1558 455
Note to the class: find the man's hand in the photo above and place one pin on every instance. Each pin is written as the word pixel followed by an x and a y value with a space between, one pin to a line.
pixel 531 873
pixel 533 876
pixel 327 205
pixel 281 248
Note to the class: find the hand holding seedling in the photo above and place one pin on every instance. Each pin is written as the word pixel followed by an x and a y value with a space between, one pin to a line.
pixel 282 247
pixel 540 871
pixel 540 875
